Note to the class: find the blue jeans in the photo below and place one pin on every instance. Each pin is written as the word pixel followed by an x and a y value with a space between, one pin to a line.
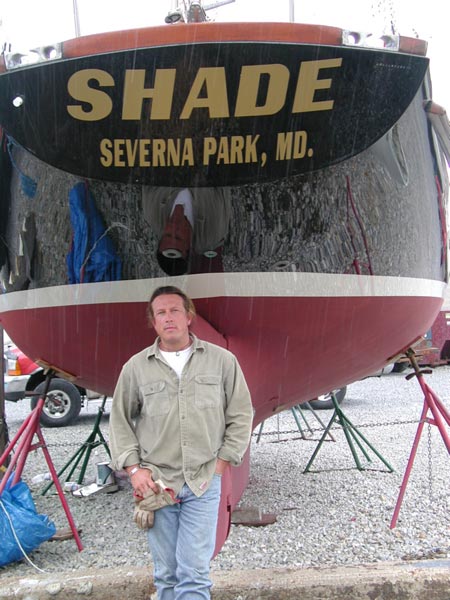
pixel 182 542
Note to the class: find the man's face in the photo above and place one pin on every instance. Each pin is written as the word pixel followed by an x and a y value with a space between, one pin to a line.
pixel 171 321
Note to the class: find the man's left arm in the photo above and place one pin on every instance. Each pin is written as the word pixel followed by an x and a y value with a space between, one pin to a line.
pixel 238 417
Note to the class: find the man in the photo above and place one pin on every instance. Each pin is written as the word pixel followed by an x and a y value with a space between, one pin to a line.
pixel 181 414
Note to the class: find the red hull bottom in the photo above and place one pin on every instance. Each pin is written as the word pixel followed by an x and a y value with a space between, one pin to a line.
pixel 291 349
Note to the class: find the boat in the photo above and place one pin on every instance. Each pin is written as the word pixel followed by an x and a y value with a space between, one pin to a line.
pixel 287 176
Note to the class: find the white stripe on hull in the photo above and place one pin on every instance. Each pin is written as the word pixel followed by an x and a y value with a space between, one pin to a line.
pixel 272 284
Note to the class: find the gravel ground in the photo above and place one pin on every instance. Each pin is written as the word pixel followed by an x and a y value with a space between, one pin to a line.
pixel 332 515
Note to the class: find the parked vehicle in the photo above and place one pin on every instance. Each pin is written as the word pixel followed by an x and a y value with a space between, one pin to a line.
pixel 24 377
pixel 325 401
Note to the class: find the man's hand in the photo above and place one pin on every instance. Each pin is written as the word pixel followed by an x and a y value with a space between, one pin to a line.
pixel 221 466
pixel 141 480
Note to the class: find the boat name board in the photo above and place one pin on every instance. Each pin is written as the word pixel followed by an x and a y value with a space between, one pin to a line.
pixel 208 114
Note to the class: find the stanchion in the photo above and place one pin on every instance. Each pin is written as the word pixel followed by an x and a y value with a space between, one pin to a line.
pixel 353 436
pixel 432 403
pixel 296 410
pixel 85 449
pixel 24 439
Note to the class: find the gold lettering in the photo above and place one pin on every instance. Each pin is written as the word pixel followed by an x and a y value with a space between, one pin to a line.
pixel 156 152
pixel 251 154
pixel 99 101
pixel 284 146
pixel 106 157
pixel 209 149
pixel 188 153
pixel 223 152
pixel 300 139
pixel 216 99
pixel 131 151
pixel 158 158
pixel 292 145
pixel 135 92
pixel 237 149
pixel 144 151
pixel 231 150
pixel 249 85
pixel 119 154
pixel 308 82
pixel 173 152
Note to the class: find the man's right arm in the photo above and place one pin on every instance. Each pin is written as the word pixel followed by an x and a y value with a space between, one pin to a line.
pixel 124 445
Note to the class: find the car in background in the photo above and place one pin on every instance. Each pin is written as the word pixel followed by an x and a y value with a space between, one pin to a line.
pixel 26 379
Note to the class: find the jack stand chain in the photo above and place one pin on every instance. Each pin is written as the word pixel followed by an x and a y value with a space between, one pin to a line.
pixel 431 402
pixel 430 465
pixel 353 436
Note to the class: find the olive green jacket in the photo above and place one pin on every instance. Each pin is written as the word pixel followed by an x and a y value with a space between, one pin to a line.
pixel 179 427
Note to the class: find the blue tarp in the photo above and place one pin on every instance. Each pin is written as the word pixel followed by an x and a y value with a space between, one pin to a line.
pixel 92 256
pixel 19 522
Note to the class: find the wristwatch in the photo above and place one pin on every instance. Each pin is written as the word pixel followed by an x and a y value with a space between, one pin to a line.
pixel 133 471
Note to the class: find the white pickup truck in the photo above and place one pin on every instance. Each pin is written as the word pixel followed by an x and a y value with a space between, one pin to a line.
pixel 25 379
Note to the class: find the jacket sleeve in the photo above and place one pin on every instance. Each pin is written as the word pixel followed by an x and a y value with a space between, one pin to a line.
pixel 238 415
pixel 124 445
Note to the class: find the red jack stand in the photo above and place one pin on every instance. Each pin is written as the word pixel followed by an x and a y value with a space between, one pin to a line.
pixel 439 415
pixel 29 428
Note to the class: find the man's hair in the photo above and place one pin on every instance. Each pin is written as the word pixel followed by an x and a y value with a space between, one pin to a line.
pixel 164 291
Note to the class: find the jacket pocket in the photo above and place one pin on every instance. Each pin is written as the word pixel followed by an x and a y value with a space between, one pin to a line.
pixel 208 391
pixel 155 398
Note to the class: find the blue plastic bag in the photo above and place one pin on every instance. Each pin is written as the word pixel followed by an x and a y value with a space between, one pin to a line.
pixel 17 510
pixel 92 256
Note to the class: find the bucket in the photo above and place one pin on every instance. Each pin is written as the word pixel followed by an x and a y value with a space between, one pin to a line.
pixel 105 475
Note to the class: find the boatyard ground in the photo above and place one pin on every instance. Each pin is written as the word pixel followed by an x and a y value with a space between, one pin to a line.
pixel 331 538
pixel 386 581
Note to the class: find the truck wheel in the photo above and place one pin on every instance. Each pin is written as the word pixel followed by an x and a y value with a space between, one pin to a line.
pixel 62 405
pixel 325 401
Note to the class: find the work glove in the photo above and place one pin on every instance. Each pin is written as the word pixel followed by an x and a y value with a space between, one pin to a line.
pixel 144 519
pixel 146 506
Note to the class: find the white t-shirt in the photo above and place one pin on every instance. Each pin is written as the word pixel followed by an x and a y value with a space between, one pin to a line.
pixel 177 360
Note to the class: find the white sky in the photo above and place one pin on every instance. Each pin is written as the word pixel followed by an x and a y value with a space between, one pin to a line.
pixel 29 23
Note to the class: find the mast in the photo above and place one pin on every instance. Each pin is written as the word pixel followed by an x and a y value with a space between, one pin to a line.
pixel 76 18
pixel 291 11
